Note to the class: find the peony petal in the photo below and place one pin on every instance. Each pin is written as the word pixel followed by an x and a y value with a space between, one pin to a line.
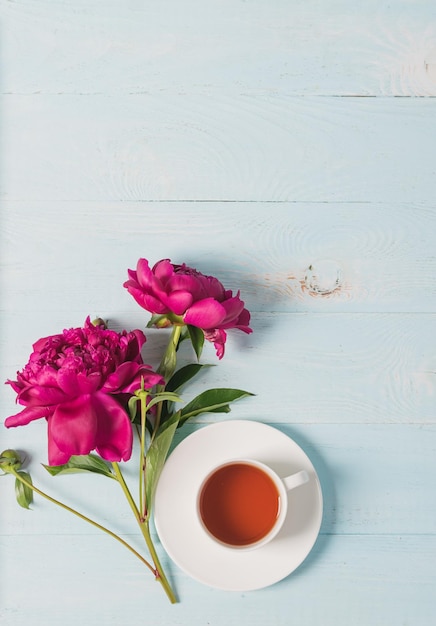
pixel 135 340
pixel 73 426
pixel 132 284
pixel 150 378
pixel 75 383
pixel 144 274
pixel 219 348
pixel 16 385
pixel 148 302
pixel 114 437
pixel 41 395
pixel 56 456
pixel 41 343
pixel 233 307
pixel 67 381
pixel 163 270
pixel 207 313
pixel 122 376
pixel 218 337
pixel 132 275
pixel 243 322
pixel 47 377
pixel 89 383
pixel 152 304
pixel 27 415
pixel 187 282
pixel 178 301
pixel 215 289
pixel 127 379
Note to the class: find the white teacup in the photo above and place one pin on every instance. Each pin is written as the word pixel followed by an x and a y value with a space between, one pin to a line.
pixel 242 503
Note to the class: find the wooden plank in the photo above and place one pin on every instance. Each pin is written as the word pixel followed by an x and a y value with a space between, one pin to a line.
pixel 382 255
pixel 261 143
pixel 185 147
pixel 318 368
pixel 375 478
pixel 351 580
pixel 335 48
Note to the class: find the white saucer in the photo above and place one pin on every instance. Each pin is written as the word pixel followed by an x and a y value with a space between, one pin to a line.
pixel 179 529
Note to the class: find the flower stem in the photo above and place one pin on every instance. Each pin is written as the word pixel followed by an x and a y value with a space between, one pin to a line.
pixel 81 516
pixel 166 368
pixel 169 359
pixel 142 490
pixel 143 514
pixel 126 489
pixel 145 530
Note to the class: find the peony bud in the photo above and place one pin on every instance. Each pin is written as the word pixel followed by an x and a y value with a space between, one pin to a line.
pixel 99 322
pixel 10 460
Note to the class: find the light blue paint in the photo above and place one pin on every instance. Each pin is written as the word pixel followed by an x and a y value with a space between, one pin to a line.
pixel 237 137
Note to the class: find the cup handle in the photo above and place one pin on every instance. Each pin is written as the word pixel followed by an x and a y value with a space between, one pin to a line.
pixel 295 480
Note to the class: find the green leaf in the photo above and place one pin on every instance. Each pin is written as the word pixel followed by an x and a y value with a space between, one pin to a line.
pixel 23 493
pixel 177 380
pixel 168 363
pixel 221 409
pixel 184 334
pixel 156 456
pixel 211 401
pixel 197 339
pixel 183 375
pixel 132 407
pixel 82 463
pixel 164 396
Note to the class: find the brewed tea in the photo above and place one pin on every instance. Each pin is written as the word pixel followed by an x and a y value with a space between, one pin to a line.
pixel 239 504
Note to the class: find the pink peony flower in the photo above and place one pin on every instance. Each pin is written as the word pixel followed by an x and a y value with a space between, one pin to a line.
pixel 188 297
pixel 79 381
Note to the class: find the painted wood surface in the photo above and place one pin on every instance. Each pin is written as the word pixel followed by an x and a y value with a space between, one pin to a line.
pixel 271 147
pixel 289 149
pixel 365 258
pixel 313 47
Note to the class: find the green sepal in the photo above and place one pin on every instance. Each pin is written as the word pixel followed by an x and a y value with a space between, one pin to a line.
pixel 156 456
pixel 158 321
pixel 82 463
pixel 23 493
pixel 183 375
pixel 212 401
pixel 197 339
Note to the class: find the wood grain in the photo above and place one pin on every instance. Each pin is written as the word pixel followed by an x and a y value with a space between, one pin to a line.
pixel 318 368
pixel 310 48
pixel 365 471
pixel 384 254
pixel 348 579
pixel 245 148
pixel 287 148
pixel 374 543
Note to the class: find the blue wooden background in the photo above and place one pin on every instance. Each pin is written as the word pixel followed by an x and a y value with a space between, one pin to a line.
pixel 253 140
